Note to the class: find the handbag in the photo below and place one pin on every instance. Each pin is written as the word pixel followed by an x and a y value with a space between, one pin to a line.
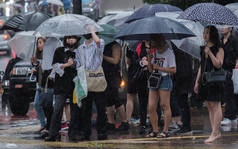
pixel 154 81
pixel 96 80
pixel 46 96
pixel 219 76
pixel 81 88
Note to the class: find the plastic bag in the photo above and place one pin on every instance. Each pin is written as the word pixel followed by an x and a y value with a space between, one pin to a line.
pixel 235 80
pixel 81 88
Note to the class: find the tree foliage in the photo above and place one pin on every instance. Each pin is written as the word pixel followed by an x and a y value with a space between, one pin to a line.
pixel 183 4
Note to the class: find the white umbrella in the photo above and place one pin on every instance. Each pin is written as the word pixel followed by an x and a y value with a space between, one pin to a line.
pixel 56 2
pixel 23 43
pixel 48 52
pixel 190 45
pixel 68 24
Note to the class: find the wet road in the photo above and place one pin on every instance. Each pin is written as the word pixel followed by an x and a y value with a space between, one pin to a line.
pixel 20 133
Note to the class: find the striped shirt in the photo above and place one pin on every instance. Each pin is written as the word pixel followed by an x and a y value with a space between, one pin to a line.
pixel 91 55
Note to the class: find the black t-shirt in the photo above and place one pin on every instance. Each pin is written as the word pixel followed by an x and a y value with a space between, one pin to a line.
pixel 64 85
pixel 230 53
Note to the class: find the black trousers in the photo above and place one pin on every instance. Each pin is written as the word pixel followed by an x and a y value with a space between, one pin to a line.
pixel 55 124
pixel 231 100
pixel 184 109
pixel 75 126
pixel 98 98
pixel 143 101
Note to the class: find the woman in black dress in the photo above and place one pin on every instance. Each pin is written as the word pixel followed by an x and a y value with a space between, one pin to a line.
pixel 212 56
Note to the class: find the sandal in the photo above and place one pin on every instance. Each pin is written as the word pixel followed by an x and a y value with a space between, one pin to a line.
pixel 152 134
pixel 163 135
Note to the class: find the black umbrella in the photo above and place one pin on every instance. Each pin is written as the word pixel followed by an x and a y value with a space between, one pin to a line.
pixel 144 29
pixel 150 10
pixel 25 22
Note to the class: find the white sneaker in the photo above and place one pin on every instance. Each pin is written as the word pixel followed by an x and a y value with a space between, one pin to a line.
pixel 173 125
pixel 226 121
pixel 234 123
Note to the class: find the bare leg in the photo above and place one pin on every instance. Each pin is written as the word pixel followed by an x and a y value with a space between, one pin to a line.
pixel 165 104
pixel 153 101
pixel 211 116
pixel 217 117
pixel 129 106
pixel 67 112
pixel 110 114
pixel 122 113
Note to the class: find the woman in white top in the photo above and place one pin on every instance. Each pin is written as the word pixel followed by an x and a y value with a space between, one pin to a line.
pixel 161 63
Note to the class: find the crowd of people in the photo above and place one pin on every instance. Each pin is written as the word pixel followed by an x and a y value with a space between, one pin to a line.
pixel 158 72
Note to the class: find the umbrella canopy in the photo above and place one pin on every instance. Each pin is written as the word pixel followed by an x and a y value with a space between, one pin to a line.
pixel 150 10
pixel 55 2
pixel 232 6
pixel 68 24
pixel 107 34
pixel 23 43
pixel 25 22
pixel 115 19
pixel 210 13
pixel 189 45
pixel 145 28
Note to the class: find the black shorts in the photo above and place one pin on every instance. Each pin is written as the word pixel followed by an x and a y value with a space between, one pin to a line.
pixel 111 93
pixel 134 87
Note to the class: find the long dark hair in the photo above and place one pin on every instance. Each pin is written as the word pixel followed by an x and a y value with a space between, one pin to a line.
pixel 38 54
pixel 213 35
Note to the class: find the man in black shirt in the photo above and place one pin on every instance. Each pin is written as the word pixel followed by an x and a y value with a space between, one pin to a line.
pixel 230 47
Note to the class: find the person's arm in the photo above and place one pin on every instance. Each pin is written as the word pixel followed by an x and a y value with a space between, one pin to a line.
pixel 116 54
pixel 163 69
pixel 96 39
pixel 217 60
pixel 197 80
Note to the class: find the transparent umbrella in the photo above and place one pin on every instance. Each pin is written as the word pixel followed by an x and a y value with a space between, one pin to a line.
pixel 190 45
pixel 232 6
pixel 68 24
pixel 23 43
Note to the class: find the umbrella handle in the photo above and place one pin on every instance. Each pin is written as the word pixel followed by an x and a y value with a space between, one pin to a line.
pixel 32 78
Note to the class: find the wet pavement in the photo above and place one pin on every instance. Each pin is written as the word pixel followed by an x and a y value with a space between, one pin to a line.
pixel 20 133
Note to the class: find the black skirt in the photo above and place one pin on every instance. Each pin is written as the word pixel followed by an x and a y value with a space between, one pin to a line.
pixel 212 92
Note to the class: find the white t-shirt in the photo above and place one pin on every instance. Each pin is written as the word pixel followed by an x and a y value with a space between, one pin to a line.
pixel 166 60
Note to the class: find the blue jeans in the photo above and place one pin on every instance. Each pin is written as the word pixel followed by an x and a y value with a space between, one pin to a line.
pixel 39 109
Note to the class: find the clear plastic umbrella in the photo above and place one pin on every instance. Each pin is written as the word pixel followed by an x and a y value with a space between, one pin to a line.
pixel 68 24
pixel 232 6
pixel 55 2
pixel 23 43
pixel 190 45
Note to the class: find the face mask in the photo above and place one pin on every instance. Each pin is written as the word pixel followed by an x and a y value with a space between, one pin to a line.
pixel 88 36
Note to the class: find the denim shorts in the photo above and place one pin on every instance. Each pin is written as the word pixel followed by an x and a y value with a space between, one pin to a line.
pixel 166 84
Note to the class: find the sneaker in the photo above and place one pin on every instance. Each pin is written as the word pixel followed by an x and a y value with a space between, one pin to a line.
pixel 110 126
pixel 184 131
pixel 142 130
pixel 123 127
pixel 234 123
pixel 65 126
pixel 226 121
pixel 173 125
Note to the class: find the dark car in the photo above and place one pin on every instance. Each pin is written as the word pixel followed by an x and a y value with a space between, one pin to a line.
pixel 19 85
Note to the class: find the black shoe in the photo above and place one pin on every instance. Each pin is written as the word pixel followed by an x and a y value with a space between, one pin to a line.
pixel 102 136
pixel 184 131
pixel 84 138
pixel 73 140
pixel 110 127
pixel 123 127
pixel 50 139
pixel 44 135
pixel 142 130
